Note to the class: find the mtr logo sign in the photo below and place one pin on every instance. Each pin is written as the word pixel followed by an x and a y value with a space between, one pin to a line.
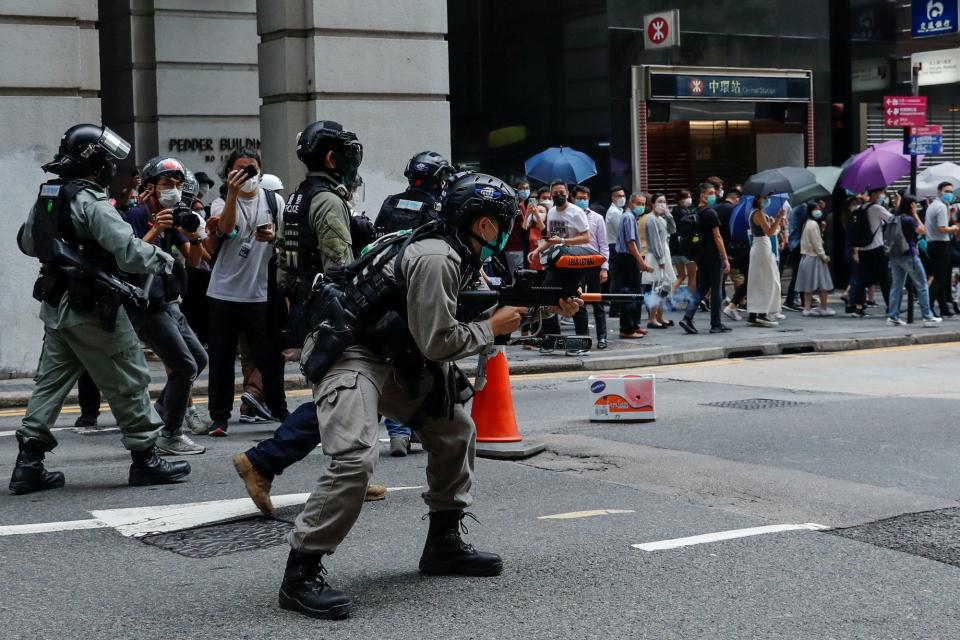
pixel 662 30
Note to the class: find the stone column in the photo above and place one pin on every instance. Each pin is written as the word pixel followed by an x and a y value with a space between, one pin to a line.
pixel 49 80
pixel 183 80
pixel 378 67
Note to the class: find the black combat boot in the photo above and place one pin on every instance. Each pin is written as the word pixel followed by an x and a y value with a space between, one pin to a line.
pixel 148 468
pixel 445 552
pixel 29 474
pixel 304 588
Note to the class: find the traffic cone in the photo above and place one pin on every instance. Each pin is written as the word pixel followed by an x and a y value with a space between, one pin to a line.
pixel 497 433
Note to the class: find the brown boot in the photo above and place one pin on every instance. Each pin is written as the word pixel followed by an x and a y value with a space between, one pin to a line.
pixel 375 492
pixel 257 485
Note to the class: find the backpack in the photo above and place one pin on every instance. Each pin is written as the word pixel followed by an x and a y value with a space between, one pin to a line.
pixel 859 232
pixel 894 241
pixel 688 232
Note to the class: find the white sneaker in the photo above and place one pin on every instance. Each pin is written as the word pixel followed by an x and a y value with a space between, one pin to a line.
pixel 195 423
pixel 780 316
pixel 811 312
pixel 731 312
pixel 178 445
pixel 932 322
pixel 826 311
pixel 895 322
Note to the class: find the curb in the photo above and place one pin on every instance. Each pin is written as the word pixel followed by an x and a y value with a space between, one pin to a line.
pixel 18 399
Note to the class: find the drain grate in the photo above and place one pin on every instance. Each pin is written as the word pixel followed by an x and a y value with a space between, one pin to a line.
pixel 751 404
pixel 230 537
pixel 932 534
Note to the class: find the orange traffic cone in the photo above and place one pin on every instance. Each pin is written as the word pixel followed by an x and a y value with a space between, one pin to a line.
pixel 497 433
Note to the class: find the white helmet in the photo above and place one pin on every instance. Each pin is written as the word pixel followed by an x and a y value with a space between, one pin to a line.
pixel 271 182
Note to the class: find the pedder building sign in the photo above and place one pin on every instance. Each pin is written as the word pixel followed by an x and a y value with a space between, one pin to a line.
pixel 212 148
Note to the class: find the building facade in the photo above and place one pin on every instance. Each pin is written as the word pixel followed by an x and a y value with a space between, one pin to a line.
pixel 196 80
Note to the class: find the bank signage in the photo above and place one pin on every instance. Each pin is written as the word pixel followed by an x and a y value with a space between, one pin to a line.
pixel 937 67
pixel 722 87
pixel 661 30
pixel 935 17
pixel 904 111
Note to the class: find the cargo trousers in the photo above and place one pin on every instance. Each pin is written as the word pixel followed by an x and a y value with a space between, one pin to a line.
pixel 117 366
pixel 357 388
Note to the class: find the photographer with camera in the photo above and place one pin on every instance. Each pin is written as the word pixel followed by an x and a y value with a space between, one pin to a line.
pixel 165 220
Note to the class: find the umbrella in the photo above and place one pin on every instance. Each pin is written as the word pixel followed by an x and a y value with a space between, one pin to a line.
pixel 880 165
pixel 561 163
pixel 823 188
pixel 782 180
pixel 928 180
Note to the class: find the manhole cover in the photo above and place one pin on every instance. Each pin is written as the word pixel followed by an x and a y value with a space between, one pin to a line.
pixel 231 537
pixel 753 403
pixel 931 534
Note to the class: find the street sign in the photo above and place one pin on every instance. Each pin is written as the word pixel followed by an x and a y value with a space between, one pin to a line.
pixel 925 141
pixel 904 111
pixel 935 18
pixel 661 30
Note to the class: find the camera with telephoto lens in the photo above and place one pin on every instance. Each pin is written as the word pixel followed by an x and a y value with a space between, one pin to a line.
pixel 185 218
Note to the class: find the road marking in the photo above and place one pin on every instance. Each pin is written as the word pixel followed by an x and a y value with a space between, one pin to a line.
pixel 136 522
pixel 584 514
pixel 14 432
pixel 726 535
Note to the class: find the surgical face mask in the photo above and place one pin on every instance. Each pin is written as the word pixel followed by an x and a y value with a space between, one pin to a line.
pixel 882 200
pixel 639 210
pixel 948 197
pixel 686 203
pixel 720 193
pixel 489 249
pixel 620 202
pixel 583 203
pixel 546 203
pixel 711 200
pixel 169 197
pixel 523 194
pixel 559 200
pixel 817 214
pixel 660 207
pixel 251 185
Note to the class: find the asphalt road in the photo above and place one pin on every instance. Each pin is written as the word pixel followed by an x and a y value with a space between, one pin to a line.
pixel 856 439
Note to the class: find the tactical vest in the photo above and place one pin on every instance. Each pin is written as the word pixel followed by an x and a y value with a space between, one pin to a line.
pixel 408 210
pixel 300 248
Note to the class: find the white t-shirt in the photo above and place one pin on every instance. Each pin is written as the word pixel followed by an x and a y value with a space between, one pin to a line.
pixel 877 215
pixel 570 222
pixel 244 279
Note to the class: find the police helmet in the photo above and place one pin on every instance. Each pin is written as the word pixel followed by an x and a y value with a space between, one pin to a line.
pixel 159 166
pixel 88 149
pixel 190 187
pixel 322 136
pixel 427 168
pixel 468 195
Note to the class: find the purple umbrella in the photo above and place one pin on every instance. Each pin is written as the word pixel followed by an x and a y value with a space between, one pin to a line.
pixel 877 167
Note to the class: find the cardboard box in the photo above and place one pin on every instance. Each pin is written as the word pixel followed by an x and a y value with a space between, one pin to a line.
pixel 628 398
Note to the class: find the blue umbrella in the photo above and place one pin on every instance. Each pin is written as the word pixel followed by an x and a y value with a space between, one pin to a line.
pixel 561 163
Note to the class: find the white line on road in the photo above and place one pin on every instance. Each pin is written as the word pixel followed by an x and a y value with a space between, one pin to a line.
pixel 140 521
pixel 726 535
pixel 14 432
pixel 584 514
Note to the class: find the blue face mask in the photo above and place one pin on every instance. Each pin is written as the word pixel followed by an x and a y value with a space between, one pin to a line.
pixel 490 249
pixel 882 201
pixel 711 200
pixel 817 214
pixel 948 197
pixel 638 210
pixel 582 203
pixel 523 194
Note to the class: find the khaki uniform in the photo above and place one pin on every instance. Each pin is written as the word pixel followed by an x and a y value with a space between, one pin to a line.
pixel 360 385
pixel 75 341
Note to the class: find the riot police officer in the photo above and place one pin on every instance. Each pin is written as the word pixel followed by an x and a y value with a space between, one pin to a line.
pixel 403 293
pixel 413 208
pixel 85 326
pixel 416 206
pixel 315 236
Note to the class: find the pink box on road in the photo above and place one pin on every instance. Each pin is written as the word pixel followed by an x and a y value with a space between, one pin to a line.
pixel 627 398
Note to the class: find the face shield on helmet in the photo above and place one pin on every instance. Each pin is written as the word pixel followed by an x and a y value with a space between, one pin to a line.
pixel 348 158
pixel 115 146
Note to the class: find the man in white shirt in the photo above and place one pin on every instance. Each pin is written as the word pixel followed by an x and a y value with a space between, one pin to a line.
pixel 939 233
pixel 870 264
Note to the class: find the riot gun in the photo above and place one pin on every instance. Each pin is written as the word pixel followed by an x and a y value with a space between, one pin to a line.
pixel 65 256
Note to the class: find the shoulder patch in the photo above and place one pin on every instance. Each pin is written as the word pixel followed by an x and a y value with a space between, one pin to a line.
pixel 49 191
pixel 410 205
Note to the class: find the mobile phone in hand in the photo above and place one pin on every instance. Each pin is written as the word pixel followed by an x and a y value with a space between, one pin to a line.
pixel 250 170
pixel 263 227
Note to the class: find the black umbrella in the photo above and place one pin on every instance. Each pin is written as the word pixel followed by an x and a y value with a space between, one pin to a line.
pixel 782 180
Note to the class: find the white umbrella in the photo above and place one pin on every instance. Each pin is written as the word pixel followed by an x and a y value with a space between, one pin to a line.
pixel 930 177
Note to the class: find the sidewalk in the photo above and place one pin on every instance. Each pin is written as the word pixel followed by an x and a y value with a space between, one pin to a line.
pixel 796 334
